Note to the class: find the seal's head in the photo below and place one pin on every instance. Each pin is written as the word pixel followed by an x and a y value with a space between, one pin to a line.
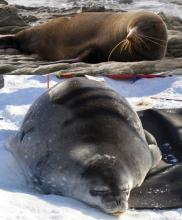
pixel 105 184
pixel 148 34
pixel 146 37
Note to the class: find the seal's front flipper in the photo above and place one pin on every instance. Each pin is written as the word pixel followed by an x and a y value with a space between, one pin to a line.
pixel 161 190
pixel 8 41
pixel 154 149
pixel 82 57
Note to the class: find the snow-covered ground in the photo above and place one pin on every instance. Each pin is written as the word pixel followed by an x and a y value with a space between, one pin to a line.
pixel 17 200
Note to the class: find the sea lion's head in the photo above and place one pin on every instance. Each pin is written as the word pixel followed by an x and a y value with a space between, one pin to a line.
pixel 105 184
pixel 146 37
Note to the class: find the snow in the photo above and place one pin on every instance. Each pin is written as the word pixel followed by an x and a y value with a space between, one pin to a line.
pixel 17 200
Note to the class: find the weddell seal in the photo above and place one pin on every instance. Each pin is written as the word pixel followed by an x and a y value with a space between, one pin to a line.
pixel 83 140
pixel 94 37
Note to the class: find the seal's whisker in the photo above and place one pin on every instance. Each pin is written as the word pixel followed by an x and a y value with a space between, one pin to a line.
pixel 123 45
pixel 126 45
pixel 141 42
pixel 153 41
pixel 154 38
pixel 130 48
pixel 113 49
pixel 144 37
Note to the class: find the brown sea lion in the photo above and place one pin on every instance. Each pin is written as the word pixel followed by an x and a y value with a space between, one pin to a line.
pixel 94 37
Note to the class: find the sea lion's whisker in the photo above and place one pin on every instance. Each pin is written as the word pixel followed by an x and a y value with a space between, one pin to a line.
pixel 154 38
pixel 130 48
pixel 139 41
pixel 126 45
pixel 142 42
pixel 153 41
pixel 144 37
pixel 114 48
pixel 123 45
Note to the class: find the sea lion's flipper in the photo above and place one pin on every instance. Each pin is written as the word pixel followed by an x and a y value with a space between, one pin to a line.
pixel 155 151
pixel 8 41
pixel 82 57
pixel 160 189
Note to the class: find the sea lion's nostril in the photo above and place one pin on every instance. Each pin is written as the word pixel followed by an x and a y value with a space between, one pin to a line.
pixel 131 34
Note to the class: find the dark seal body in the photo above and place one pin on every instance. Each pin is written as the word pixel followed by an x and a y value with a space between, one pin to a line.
pixel 95 37
pixel 163 186
pixel 83 140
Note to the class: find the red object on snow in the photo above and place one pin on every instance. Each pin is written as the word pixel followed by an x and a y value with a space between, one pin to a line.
pixel 131 76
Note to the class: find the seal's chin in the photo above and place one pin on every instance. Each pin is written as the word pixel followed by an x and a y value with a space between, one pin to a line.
pixel 117 214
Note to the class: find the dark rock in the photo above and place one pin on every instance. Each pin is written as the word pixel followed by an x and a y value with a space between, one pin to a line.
pixel 125 1
pixel 172 22
pixel 10 21
pixel 3 2
pixel 177 2
pixel 174 48
pixel 29 18
pixel 97 9
pixel 1 81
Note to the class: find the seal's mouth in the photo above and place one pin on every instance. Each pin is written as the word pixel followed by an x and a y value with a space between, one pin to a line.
pixel 136 40
pixel 126 45
pixel 117 214
pixel 115 207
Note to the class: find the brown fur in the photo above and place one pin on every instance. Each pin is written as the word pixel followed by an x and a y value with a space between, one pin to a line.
pixel 92 37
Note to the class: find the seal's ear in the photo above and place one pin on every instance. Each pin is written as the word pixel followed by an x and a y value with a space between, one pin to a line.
pixel 154 149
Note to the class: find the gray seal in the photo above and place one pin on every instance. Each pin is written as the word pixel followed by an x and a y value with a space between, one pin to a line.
pixel 83 140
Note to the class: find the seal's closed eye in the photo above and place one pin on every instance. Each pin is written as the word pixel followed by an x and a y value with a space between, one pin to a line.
pixel 100 192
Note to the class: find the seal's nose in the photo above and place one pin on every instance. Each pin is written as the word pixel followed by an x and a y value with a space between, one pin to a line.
pixel 131 34
pixel 120 208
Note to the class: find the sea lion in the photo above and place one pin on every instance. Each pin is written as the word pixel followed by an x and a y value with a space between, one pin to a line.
pixel 163 186
pixel 94 37
pixel 83 140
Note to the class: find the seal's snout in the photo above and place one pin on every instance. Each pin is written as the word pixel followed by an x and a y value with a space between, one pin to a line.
pixel 131 34
pixel 115 205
